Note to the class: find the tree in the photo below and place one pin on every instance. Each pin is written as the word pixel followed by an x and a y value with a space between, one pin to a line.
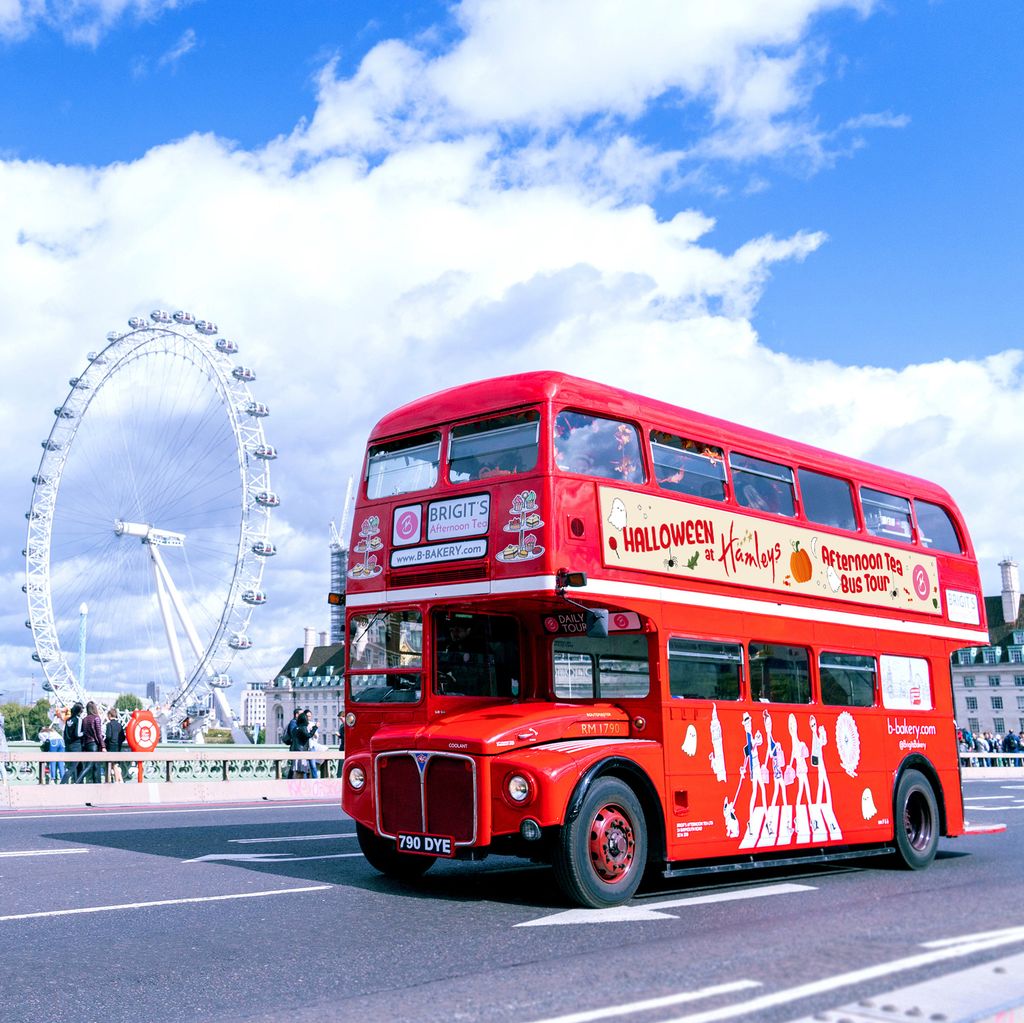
pixel 127 702
pixel 35 717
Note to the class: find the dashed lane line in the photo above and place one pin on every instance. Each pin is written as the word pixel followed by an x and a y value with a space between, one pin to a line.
pixel 42 852
pixel 291 838
pixel 587 1016
pixel 163 902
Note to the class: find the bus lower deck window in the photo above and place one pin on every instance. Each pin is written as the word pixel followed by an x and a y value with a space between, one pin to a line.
pixel 704 671
pixel 779 674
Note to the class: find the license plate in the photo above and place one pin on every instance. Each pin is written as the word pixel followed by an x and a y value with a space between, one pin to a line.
pixel 425 845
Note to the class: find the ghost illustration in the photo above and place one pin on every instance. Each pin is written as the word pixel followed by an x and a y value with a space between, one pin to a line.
pixel 732 825
pixel 833 579
pixel 690 742
pixel 617 516
pixel 867 805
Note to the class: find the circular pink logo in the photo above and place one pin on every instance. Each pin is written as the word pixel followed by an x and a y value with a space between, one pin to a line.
pixel 621 621
pixel 551 623
pixel 922 584
pixel 407 525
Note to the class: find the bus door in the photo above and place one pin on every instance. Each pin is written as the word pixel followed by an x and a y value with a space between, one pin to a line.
pixel 702 772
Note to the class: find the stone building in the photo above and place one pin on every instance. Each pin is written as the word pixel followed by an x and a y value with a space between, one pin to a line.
pixel 988 681
pixel 312 678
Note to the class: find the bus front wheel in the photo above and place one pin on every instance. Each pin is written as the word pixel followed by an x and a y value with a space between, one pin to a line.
pixel 382 855
pixel 600 856
pixel 916 820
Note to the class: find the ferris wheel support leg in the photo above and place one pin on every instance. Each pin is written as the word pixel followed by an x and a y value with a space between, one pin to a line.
pixel 164 580
pixel 163 600
pixel 179 604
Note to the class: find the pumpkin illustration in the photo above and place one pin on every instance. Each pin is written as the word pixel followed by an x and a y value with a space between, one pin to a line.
pixel 800 564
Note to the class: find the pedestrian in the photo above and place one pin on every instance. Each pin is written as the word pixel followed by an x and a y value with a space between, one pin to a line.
pixel 287 736
pixel 114 737
pixel 301 735
pixel 58 769
pixel 341 737
pixel 92 742
pixel 73 742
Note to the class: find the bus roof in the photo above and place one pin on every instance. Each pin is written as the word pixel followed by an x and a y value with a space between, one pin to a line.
pixel 499 393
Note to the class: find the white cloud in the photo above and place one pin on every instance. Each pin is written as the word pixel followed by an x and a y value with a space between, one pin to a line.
pixel 80 22
pixel 401 242
pixel 186 44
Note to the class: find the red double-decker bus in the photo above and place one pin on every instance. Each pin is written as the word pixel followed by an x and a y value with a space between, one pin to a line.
pixel 596 629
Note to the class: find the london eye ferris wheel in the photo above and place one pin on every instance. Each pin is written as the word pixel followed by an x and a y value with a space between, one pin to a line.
pixel 150 515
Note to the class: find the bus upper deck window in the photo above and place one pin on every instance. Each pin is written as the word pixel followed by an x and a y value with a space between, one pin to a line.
pixel 688 466
pixel 592 446
pixel 764 486
pixel 827 500
pixel 501 446
pixel 403 466
pixel 886 515
pixel 935 527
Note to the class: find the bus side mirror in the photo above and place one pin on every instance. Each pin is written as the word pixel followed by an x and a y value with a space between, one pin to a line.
pixel 597 622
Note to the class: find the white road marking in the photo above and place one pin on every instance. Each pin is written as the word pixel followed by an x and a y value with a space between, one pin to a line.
pixel 43 852
pixel 1004 932
pixel 291 838
pixel 652 1003
pixel 267 857
pixel 965 948
pixel 635 914
pixel 164 902
pixel 100 812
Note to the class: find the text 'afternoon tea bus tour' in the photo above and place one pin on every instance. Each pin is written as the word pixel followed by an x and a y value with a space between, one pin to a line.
pixel 598 630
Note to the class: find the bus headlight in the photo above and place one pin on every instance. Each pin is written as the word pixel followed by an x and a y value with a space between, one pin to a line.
pixel 350 719
pixel 357 778
pixel 519 789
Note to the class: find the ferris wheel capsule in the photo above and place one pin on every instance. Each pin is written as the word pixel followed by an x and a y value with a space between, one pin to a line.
pixel 185 319
pixel 160 316
pixel 268 499
pixel 244 374
pixel 265 451
pixel 257 409
pixel 114 335
pixel 63 413
pixel 78 383
pixel 207 327
pixel 254 597
pixel 136 322
pixel 50 445
pixel 40 481
pixel 239 642
pixel 220 681
pixel 226 346
pixel 264 548
pixel 96 359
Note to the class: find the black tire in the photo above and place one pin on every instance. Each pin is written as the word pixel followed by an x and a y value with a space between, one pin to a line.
pixel 382 855
pixel 600 857
pixel 916 821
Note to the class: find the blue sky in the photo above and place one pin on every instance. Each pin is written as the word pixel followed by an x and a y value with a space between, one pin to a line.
pixel 804 215
pixel 932 208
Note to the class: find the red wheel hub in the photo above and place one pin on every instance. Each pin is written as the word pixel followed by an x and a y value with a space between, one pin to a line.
pixel 612 843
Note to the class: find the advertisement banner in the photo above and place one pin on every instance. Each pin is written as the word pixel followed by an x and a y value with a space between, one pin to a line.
pixel 659 534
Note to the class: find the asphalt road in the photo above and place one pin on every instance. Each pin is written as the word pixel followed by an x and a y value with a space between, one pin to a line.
pixel 268 912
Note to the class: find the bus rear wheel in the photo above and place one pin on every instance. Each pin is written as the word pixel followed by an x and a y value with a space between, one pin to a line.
pixel 382 855
pixel 916 820
pixel 600 856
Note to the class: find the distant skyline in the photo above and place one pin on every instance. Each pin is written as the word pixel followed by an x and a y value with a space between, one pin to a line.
pixel 805 216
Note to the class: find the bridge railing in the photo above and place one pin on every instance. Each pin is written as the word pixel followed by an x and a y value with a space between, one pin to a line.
pixel 976 758
pixel 26 764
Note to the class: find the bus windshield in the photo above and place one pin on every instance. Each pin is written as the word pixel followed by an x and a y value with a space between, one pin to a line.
pixel 476 655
